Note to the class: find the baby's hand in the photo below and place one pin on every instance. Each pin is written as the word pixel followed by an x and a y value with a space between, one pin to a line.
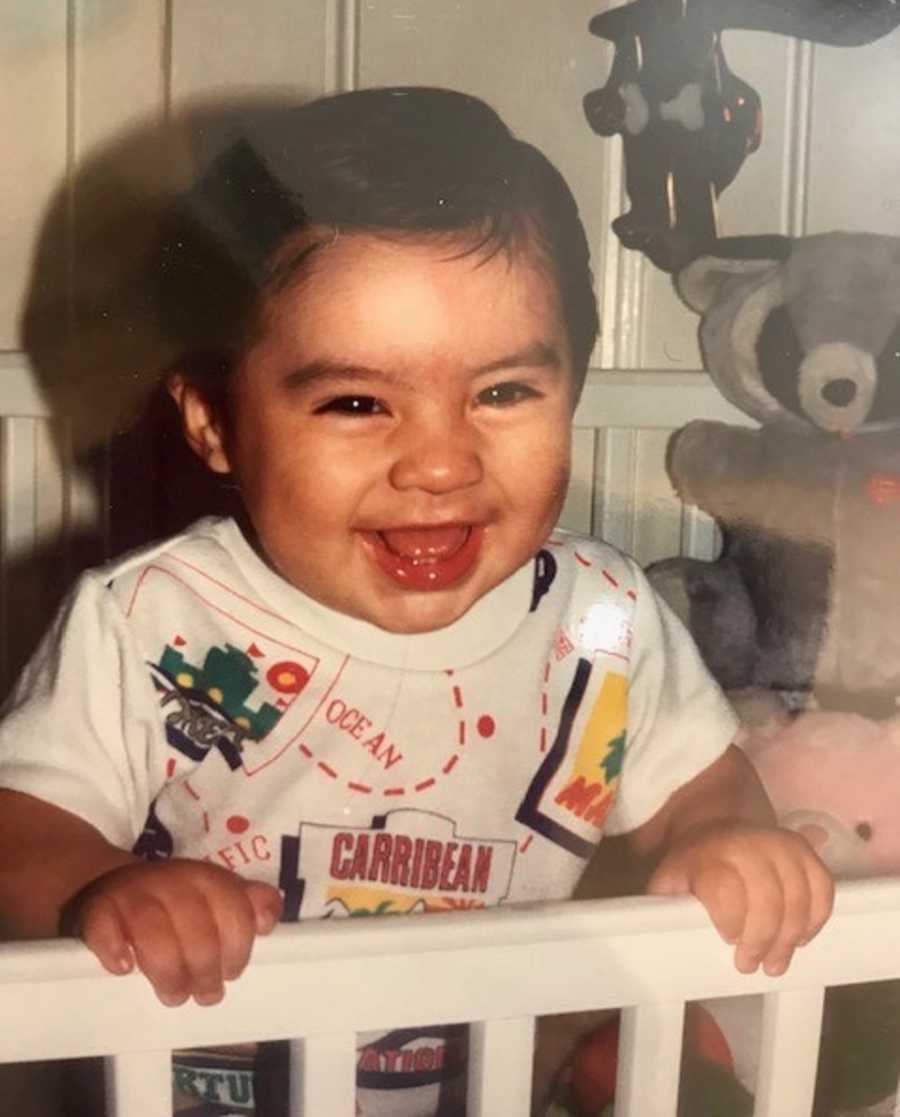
pixel 189 926
pixel 765 889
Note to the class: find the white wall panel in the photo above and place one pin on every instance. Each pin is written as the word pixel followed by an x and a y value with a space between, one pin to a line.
pixel 119 54
pixel 33 82
pixel 531 60
pixel 234 46
pixel 855 156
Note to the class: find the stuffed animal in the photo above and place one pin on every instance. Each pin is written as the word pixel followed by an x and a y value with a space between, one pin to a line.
pixel 833 777
pixel 804 596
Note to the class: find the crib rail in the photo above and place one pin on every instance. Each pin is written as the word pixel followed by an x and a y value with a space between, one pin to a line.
pixel 319 984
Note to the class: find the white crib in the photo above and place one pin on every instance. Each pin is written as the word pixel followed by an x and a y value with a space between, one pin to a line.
pixel 499 969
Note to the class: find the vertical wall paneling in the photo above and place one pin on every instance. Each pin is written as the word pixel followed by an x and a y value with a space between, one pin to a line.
pixel 33 60
pixel 798 118
pixel 700 538
pixel 577 512
pixel 854 165
pixel 341 26
pixel 531 60
pixel 231 47
pixel 118 68
pixel 657 516
pixel 614 481
pixel 17 527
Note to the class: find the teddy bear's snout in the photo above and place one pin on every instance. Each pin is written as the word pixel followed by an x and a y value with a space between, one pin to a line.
pixel 837 385
pixel 839 392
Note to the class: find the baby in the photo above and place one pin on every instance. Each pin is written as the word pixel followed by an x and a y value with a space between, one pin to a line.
pixel 389 684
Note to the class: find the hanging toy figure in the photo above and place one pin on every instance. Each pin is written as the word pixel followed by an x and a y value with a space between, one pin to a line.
pixel 687 122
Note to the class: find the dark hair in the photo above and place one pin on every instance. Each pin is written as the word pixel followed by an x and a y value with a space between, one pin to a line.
pixel 407 160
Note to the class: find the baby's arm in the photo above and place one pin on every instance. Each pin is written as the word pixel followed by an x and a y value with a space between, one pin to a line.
pixel 188 925
pixel 764 888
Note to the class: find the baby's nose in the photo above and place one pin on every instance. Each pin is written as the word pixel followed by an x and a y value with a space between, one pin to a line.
pixel 437 457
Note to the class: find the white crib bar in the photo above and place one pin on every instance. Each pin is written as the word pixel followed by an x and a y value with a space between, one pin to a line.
pixel 497 968
pixel 138 1084
pixel 649 1060
pixel 323 1075
pixel 789 1052
pixel 500 1053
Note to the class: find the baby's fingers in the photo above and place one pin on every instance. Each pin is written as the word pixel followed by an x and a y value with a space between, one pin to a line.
pixel 721 891
pixel 795 907
pixel 101 929
pixel 821 896
pixel 266 904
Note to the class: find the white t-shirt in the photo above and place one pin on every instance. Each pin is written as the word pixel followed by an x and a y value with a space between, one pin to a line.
pixel 189 702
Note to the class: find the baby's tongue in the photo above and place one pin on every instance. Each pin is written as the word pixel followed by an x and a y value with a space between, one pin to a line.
pixel 425 542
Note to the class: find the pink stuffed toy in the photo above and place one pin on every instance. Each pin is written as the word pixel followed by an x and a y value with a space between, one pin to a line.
pixel 835 778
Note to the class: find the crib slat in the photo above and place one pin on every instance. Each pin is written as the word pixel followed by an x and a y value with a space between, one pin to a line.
pixel 323 1076
pixel 139 1084
pixel 789 1052
pixel 500 1059
pixel 649 1060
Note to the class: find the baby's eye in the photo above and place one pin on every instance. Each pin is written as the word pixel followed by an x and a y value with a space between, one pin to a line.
pixel 353 405
pixel 506 394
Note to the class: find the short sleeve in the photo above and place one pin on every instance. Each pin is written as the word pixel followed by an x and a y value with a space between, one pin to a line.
pixel 81 726
pixel 679 721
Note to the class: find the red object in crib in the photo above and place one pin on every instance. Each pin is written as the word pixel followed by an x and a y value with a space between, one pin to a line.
pixel 596 1058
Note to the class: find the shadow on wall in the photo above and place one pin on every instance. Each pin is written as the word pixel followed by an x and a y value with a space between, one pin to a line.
pixel 104 319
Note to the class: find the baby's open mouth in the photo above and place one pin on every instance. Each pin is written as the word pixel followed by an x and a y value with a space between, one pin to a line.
pixel 428 557
pixel 426 544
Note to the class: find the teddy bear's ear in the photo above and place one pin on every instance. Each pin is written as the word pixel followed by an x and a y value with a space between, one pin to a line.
pixel 701 282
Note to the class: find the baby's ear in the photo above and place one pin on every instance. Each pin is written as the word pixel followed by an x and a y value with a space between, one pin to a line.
pixel 201 422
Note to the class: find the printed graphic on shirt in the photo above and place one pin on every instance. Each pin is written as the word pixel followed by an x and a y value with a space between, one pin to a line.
pixel 407 860
pixel 574 788
pixel 415 1060
pixel 209 706
pixel 544 576
pixel 213 1083
pixel 228 691
pixel 155 842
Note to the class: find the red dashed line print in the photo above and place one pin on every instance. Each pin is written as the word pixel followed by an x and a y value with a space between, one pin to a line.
pixel 193 794
pixel 610 579
pixel 485 726
pixel 206 821
pixel 526 843
pixel 544 705
pixel 632 595
pixel 583 560
pixel 170 767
